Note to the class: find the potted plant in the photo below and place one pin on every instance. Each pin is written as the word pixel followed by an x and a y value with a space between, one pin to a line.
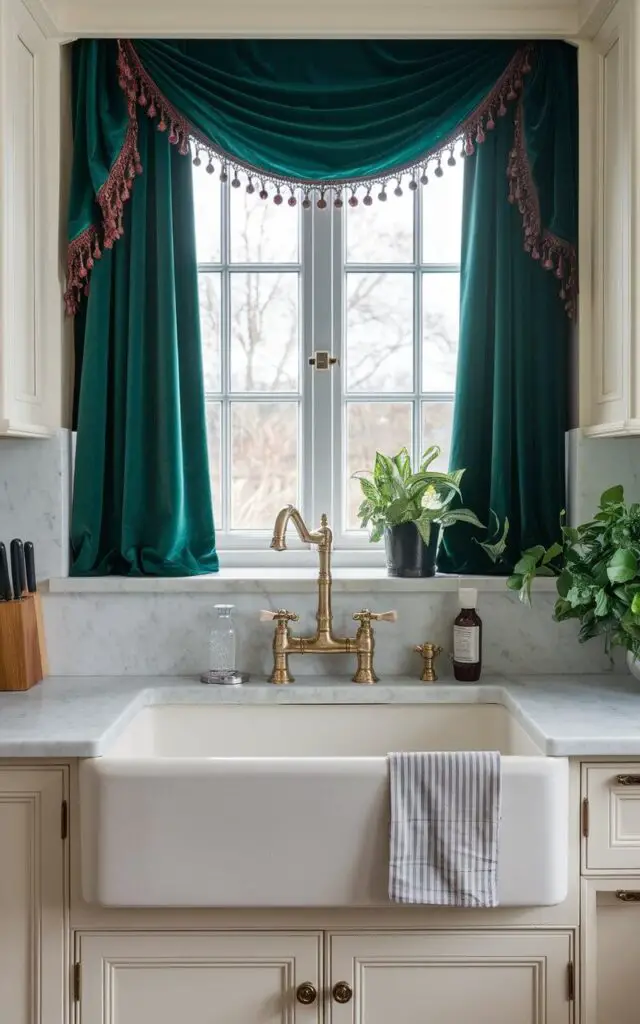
pixel 597 566
pixel 412 509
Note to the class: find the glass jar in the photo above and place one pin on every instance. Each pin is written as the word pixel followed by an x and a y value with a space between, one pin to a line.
pixel 222 641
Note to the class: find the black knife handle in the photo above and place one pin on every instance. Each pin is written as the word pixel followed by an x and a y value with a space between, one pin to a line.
pixel 5 581
pixel 30 566
pixel 18 572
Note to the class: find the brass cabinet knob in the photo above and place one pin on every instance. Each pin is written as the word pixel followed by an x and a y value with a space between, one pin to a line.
pixel 342 992
pixel 306 993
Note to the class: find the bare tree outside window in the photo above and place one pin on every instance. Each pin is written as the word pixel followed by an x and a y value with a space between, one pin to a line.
pixel 399 286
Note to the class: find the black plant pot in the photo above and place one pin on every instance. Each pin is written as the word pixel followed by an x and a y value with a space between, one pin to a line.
pixel 407 553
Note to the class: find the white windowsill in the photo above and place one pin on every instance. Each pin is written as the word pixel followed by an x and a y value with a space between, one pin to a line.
pixel 281 581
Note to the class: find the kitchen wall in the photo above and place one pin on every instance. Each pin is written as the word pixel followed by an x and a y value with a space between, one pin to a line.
pixel 165 632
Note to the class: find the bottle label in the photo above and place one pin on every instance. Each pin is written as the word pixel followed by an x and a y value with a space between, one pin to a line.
pixel 466 644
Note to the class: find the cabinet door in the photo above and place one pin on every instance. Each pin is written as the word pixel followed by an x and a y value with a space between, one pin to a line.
pixel 32 886
pixel 198 978
pixel 610 952
pixel 30 302
pixel 465 977
pixel 613 842
pixel 608 119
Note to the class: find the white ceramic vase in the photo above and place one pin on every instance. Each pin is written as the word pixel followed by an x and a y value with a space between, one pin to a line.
pixel 634 665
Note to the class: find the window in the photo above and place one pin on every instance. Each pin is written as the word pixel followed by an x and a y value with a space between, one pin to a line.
pixel 377 287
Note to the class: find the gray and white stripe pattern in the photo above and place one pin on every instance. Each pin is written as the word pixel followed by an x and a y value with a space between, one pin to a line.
pixel 445 819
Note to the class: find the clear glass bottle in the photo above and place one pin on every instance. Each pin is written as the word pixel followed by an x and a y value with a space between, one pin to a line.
pixel 222 641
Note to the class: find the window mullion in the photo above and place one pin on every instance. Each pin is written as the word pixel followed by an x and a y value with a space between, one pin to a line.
pixel 320 383
pixel 225 350
pixel 305 423
pixel 417 326
pixel 338 375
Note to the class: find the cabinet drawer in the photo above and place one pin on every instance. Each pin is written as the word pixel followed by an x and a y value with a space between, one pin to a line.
pixel 613 840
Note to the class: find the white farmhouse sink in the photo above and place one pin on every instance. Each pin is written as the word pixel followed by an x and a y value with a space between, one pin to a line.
pixel 288 805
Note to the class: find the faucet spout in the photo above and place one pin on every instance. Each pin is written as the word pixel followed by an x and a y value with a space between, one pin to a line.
pixel 285 515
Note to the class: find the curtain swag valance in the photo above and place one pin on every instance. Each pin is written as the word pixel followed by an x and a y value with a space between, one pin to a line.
pixel 325 122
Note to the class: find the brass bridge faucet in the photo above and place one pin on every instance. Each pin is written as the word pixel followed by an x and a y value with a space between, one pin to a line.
pixel 323 642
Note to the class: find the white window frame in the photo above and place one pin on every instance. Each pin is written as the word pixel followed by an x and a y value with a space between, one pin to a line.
pixel 322 398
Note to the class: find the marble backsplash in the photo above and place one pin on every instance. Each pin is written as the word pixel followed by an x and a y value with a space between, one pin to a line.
pixel 166 633
pixel 35 491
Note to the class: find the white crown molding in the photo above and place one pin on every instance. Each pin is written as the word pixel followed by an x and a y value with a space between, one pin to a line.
pixel 307 18
pixel 41 13
pixel 592 14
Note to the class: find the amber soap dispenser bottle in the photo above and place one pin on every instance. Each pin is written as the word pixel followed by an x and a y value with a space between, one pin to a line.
pixel 467 638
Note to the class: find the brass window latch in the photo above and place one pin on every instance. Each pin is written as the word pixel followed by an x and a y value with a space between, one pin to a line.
pixel 322 360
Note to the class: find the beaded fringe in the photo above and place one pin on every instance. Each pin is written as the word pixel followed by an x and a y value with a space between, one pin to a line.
pixel 554 253
pixel 85 249
pixel 142 92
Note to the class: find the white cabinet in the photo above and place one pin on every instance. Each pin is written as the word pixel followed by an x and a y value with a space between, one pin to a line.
pixel 198 978
pixel 453 977
pixel 610 951
pixel 609 229
pixel 612 793
pixel 33 969
pixel 31 316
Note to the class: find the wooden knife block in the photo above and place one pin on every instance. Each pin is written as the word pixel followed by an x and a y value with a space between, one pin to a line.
pixel 23 659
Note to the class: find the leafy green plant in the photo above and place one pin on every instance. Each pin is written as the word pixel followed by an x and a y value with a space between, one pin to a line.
pixel 597 566
pixel 393 494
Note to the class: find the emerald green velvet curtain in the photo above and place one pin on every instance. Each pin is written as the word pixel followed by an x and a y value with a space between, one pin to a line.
pixel 289 119
pixel 142 498
pixel 512 394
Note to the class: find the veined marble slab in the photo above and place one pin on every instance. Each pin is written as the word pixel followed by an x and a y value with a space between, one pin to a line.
pixel 80 717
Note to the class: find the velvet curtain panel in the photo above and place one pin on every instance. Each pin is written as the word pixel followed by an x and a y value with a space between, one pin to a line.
pixel 512 394
pixel 142 498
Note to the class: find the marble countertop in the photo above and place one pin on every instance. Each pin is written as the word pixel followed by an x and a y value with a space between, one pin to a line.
pixel 81 716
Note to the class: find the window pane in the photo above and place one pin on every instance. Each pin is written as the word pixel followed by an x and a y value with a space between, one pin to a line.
pixel 213 410
pixel 264 462
pixel 440 329
pixel 442 216
pixel 262 232
pixel 210 320
pixel 206 202
pixel 382 233
pixel 264 332
pixel 371 427
pixel 437 418
pixel 379 349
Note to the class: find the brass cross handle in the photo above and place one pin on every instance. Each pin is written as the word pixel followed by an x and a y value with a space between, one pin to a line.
pixel 429 654
pixel 366 617
pixel 282 615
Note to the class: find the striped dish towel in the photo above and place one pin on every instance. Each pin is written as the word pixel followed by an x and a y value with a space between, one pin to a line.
pixel 445 816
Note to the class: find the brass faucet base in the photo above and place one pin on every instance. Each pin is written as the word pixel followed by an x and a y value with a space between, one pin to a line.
pixel 324 641
pixel 429 654
pixel 365 678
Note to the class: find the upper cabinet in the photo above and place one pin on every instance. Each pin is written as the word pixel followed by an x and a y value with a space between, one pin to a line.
pixel 609 254
pixel 31 314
